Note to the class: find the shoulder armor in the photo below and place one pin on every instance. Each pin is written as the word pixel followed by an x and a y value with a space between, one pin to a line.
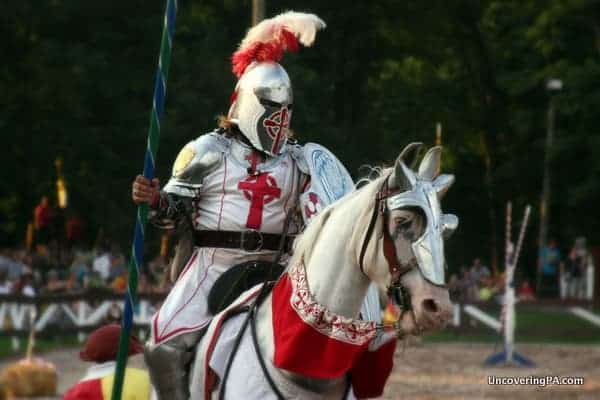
pixel 329 180
pixel 297 152
pixel 195 161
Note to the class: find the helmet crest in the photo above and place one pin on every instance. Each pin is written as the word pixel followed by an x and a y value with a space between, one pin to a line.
pixel 270 38
pixel 261 105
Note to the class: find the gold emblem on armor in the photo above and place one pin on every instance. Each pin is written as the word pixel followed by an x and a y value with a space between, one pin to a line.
pixel 183 160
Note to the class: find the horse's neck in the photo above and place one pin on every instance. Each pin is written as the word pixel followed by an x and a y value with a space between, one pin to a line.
pixel 333 275
pixel 334 280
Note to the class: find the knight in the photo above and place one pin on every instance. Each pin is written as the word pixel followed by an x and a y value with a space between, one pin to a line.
pixel 233 193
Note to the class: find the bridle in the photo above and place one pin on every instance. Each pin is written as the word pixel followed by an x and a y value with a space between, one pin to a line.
pixel 396 268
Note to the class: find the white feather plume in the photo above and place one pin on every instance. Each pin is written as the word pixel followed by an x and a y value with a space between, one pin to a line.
pixel 303 25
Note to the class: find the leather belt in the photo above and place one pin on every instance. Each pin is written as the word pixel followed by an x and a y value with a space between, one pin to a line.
pixel 245 240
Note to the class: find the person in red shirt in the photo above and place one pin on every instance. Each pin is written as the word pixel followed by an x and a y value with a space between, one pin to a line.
pixel 101 349
pixel 41 219
pixel 526 291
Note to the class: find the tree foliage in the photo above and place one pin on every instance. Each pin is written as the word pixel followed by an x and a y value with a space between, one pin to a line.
pixel 77 83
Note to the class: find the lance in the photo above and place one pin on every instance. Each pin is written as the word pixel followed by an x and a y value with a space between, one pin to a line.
pixel 136 258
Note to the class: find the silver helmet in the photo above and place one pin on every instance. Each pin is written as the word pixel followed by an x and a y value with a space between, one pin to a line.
pixel 262 101
pixel 262 108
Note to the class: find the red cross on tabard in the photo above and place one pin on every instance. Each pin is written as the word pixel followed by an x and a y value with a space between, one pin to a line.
pixel 260 189
pixel 277 125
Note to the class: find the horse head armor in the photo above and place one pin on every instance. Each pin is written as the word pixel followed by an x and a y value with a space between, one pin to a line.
pixel 424 189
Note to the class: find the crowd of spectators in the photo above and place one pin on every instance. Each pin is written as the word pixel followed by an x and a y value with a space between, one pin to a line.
pixel 475 283
pixel 569 277
pixel 52 269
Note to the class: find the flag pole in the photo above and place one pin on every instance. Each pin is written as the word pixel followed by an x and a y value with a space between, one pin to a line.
pixel 136 258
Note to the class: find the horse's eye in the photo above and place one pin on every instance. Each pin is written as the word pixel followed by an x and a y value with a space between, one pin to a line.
pixel 403 223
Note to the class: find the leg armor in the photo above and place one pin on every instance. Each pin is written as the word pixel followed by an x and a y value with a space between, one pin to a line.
pixel 169 363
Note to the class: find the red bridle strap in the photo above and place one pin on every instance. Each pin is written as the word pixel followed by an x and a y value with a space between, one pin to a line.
pixel 389 250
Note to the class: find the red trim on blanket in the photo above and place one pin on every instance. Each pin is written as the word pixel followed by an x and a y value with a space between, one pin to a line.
pixel 327 358
pixel 312 341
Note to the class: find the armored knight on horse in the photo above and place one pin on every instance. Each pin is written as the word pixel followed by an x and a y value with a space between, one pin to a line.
pixel 233 194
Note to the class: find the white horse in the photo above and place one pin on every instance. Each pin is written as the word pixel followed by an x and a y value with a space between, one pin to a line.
pixel 313 346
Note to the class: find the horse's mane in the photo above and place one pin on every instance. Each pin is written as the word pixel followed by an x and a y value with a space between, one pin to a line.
pixel 360 203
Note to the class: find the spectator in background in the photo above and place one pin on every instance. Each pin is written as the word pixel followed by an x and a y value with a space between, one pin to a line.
pixel 42 218
pixel 54 284
pixel 525 291
pixel 6 286
pixel 74 228
pixel 466 288
pixel 95 281
pixel 480 273
pixel 117 264
pixel 119 282
pixel 5 258
pixel 25 285
pixel 144 284
pixel 40 263
pixel 579 259
pixel 102 263
pixel 550 266
pixel 80 272
pixel 101 349
pixel 13 262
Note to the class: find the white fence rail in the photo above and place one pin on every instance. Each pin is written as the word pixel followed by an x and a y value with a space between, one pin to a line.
pixel 82 313
pixel 75 314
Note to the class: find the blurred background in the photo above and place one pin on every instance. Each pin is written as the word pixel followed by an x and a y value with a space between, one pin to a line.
pixel 511 89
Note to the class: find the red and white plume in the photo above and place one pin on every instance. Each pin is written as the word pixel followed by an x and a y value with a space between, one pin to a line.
pixel 270 38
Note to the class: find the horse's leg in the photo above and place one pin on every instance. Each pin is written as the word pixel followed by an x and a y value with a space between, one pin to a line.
pixel 169 363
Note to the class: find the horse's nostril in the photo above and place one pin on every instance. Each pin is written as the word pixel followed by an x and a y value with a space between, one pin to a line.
pixel 430 306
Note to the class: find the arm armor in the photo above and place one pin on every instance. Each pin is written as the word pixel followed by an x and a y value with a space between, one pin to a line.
pixel 175 208
pixel 170 211
pixel 195 162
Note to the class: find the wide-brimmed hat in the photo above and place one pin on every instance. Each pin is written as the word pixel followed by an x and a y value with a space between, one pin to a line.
pixel 103 343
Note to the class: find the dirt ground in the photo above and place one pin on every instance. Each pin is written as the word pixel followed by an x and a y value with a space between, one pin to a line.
pixel 446 371
pixel 455 371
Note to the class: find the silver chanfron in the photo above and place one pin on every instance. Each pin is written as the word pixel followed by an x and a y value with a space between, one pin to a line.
pixel 424 190
pixel 262 106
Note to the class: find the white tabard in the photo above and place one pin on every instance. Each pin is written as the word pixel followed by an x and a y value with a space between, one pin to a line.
pixel 229 199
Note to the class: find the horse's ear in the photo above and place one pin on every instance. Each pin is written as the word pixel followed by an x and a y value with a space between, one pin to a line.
pixel 411 150
pixel 442 183
pixel 402 178
pixel 430 165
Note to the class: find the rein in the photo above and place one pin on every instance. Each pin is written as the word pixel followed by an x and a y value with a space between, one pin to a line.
pixel 251 310
pixel 397 270
pixel 251 320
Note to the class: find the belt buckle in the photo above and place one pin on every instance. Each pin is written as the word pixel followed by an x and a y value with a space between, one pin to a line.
pixel 258 240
